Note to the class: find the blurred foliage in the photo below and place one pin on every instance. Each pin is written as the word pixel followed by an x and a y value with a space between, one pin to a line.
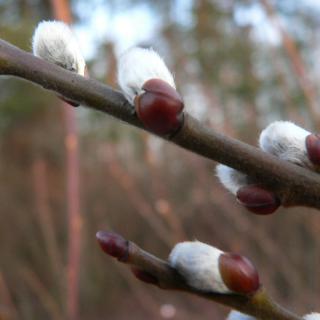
pixel 235 78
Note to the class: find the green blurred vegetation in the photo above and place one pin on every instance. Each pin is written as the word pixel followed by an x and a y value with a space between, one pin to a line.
pixel 234 78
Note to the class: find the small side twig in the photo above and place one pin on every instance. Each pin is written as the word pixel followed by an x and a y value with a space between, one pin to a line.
pixel 156 271
pixel 292 184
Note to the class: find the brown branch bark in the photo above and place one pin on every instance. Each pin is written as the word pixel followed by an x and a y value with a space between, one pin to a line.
pixel 158 272
pixel 293 185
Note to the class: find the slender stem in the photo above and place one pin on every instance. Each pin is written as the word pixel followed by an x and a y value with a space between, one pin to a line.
pixel 293 185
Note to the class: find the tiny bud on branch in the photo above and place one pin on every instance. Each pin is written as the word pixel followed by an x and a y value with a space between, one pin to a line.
pixel 144 276
pixel 258 200
pixel 113 244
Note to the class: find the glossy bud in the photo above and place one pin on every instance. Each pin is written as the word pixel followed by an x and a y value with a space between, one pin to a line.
pixel 258 200
pixel 238 273
pixel 160 107
pixel 113 244
pixel 313 148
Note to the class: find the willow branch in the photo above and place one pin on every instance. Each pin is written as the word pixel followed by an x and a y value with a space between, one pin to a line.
pixel 153 270
pixel 292 184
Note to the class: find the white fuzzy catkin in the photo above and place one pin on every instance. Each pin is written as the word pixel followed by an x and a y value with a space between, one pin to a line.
pixel 232 179
pixel 236 315
pixel 138 65
pixel 286 141
pixel 198 263
pixel 282 139
pixel 312 316
pixel 54 42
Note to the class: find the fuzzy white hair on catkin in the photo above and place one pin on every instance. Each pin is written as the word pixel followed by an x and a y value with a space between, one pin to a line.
pixel 286 141
pixel 54 42
pixel 232 179
pixel 198 263
pixel 312 316
pixel 236 315
pixel 138 65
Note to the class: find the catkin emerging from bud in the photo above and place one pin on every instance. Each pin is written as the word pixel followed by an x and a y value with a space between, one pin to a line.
pixel 138 65
pixel 209 269
pixel 54 42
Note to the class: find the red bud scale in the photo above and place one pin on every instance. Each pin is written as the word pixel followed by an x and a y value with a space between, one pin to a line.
pixel 113 244
pixel 258 200
pixel 144 276
pixel 238 273
pixel 160 107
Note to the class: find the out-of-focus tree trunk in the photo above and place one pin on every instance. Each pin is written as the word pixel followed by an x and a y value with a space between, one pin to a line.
pixel 61 10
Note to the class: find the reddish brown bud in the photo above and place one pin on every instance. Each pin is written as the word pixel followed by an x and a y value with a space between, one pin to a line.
pixel 258 200
pixel 113 244
pixel 144 276
pixel 313 148
pixel 160 107
pixel 238 273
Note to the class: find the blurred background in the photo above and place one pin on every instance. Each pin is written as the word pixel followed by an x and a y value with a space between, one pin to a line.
pixel 239 65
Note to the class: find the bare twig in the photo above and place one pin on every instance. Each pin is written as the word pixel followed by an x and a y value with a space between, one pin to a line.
pixel 42 293
pixel 44 216
pixel 133 195
pixel 162 205
pixel 292 184
pixel 151 269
